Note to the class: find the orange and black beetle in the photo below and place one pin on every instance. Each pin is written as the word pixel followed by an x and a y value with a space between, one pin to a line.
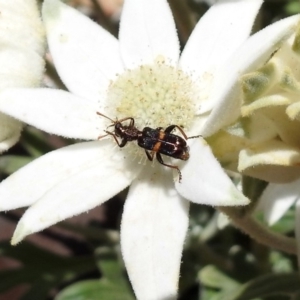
pixel 155 141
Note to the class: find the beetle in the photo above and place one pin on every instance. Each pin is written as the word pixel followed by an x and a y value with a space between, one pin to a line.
pixel 155 142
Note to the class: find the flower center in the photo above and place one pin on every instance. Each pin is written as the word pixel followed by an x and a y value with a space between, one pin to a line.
pixel 156 95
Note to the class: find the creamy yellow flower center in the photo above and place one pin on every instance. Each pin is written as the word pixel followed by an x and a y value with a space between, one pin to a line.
pixel 156 95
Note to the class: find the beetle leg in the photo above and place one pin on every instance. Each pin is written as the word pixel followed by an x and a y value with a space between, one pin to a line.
pixel 160 160
pixel 150 156
pixel 170 128
pixel 123 142
pixel 131 124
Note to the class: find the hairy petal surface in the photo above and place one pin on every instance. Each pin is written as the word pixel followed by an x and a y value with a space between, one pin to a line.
pixel 216 36
pixel 21 57
pixel 41 175
pixel 153 229
pixel 203 170
pixel 85 55
pixel 10 131
pixel 293 111
pixel 54 111
pixel 36 178
pixel 223 28
pixel 273 161
pixel 250 56
pixel 22 44
pixel 147 30
pixel 277 199
pixel 20 69
pixel 78 192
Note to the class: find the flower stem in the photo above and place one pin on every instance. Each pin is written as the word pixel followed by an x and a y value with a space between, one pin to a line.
pixel 259 232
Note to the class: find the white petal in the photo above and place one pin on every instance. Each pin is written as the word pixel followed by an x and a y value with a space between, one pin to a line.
pixel 10 131
pixel 22 48
pixel 277 199
pixel 85 55
pixel 147 30
pixel 154 225
pixel 272 161
pixel 31 182
pixel 293 110
pixel 253 54
pixel 10 141
pixel 53 111
pixel 205 182
pixel 224 27
pixel 78 193
pixel 216 36
pixel 22 44
pixel 265 103
pixel 20 68
pixel 21 26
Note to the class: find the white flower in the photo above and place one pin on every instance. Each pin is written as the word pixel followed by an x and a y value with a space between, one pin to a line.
pixel 260 133
pixel 263 139
pixel 139 76
pixel 22 41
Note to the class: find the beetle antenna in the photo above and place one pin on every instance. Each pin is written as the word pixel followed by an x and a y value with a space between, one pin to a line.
pixel 194 137
pixel 100 114
pixel 102 136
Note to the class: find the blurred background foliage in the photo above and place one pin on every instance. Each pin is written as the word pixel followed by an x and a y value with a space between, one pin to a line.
pixel 80 258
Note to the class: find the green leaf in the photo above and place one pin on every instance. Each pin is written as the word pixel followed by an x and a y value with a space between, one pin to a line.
pixel 110 265
pixel 287 223
pixel 35 142
pixel 293 7
pixel 280 263
pixel 212 277
pixel 12 163
pixel 268 285
pixel 94 290
pixel 218 286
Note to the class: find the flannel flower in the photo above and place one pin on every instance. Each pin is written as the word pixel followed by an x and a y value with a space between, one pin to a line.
pixel 262 140
pixel 275 157
pixel 21 58
pixel 140 76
